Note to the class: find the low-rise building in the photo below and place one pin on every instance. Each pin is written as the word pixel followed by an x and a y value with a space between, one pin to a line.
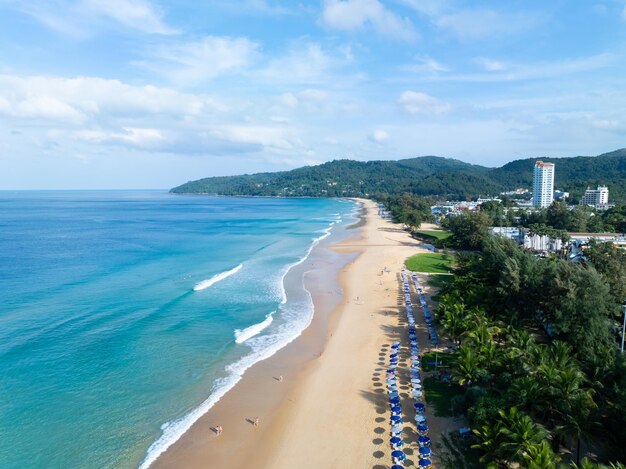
pixel 596 197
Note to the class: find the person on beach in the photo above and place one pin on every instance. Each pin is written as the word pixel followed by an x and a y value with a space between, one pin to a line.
pixel 280 379
pixel 218 430
pixel 256 421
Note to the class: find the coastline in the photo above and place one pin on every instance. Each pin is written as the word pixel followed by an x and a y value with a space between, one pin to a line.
pixel 326 410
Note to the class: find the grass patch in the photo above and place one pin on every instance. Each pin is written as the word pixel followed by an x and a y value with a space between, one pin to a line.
pixel 444 360
pixel 437 234
pixel 440 395
pixel 430 262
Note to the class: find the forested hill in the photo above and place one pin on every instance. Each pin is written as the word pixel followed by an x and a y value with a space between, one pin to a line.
pixel 426 175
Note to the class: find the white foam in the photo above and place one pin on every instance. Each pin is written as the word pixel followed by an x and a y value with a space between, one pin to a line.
pixel 216 278
pixel 241 335
pixel 263 347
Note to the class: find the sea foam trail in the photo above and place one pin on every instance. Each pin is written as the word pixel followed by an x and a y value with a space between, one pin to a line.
pixel 263 348
pixel 241 335
pixel 216 278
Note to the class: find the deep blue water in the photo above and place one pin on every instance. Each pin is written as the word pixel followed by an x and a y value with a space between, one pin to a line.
pixel 102 337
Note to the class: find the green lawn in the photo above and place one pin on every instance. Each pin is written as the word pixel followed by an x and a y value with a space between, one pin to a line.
pixel 440 394
pixel 431 262
pixel 438 234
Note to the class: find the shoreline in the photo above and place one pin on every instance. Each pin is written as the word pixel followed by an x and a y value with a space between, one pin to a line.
pixel 327 410
pixel 317 271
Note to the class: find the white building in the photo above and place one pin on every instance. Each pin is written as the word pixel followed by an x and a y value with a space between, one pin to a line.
pixel 558 195
pixel 596 197
pixel 543 184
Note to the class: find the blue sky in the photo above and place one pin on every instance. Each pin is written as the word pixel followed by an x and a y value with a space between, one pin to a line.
pixel 152 93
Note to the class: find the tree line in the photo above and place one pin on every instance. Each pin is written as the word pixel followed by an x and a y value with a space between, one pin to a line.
pixel 538 353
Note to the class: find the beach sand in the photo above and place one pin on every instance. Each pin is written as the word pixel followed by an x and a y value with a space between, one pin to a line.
pixel 330 410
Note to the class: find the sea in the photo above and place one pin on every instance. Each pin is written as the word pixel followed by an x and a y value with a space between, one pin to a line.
pixel 125 315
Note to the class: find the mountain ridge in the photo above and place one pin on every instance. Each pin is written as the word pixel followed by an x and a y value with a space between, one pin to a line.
pixel 423 175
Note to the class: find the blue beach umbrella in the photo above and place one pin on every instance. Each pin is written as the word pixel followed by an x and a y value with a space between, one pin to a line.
pixel 396 466
pixel 399 455
pixel 396 409
pixel 396 419
pixel 424 452
pixel 423 440
pixel 425 463
pixel 393 394
pixel 419 418
pixel 396 429
pixel 394 400
pixel 419 407
pixel 422 428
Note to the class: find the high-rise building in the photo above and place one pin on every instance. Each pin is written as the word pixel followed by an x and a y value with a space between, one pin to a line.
pixel 543 184
pixel 596 197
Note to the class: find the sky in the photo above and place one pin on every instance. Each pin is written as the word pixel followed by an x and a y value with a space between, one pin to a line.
pixel 114 94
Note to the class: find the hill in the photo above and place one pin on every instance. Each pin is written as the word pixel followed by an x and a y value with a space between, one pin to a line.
pixel 426 175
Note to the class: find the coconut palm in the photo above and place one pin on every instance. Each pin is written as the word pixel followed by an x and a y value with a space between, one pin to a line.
pixel 540 456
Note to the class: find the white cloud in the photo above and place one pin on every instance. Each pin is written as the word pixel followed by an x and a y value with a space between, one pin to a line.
pixel 136 14
pixel 139 137
pixel 379 136
pixel 305 64
pixel 426 65
pixel 86 17
pixel 490 65
pixel 197 62
pixel 276 137
pixel 415 102
pixel 350 15
pixel 289 100
pixel 313 95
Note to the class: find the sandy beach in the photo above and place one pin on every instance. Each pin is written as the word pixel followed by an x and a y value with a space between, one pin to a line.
pixel 330 409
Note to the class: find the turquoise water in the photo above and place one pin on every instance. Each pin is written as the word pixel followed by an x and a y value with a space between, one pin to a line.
pixel 107 353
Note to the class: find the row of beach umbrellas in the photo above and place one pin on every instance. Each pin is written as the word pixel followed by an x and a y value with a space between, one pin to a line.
pixel 416 392
pixel 434 338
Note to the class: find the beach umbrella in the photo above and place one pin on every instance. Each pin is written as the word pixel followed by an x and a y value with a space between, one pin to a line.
pixel 423 440
pixel 393 394
pixel 419 407
pixel 394 400
pixel 393 355
pixel 396 442
pixel 396 409
pixel 422 428
pixel 426 463
pixel 396 466
pixel 396 419
pixel 425 452
pixel 398 455
pixel 416 393
pixel 395 342
pixel 396 429
pixel 419 418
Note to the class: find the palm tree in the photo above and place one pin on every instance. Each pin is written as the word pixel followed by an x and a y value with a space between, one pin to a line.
pixel 521 433
pixel 491 440
pixel 540 456
pixel 467 365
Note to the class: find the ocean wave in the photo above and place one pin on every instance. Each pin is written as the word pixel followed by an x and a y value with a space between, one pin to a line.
pixel 216 278
pixel 241 335
pixel 263 347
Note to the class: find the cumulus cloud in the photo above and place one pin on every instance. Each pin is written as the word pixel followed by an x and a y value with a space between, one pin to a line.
pixel 197 62
pixel 350 15
pixel 379 136
pixel 414 102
